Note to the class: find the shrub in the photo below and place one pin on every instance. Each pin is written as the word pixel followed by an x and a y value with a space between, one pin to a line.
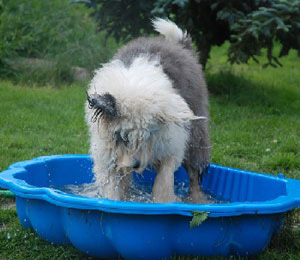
pixel 53 30
pixel 248 25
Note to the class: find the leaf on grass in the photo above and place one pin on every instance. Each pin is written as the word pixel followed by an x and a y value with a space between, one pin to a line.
pixel 198 218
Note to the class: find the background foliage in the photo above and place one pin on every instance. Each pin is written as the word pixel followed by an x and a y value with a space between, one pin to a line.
pixel 53 30
pixel 249 25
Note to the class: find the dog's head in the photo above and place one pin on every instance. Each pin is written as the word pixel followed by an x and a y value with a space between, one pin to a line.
pixel 128 135
pixel 134 109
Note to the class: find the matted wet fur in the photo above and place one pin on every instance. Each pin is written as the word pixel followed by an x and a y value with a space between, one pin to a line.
pixel 149 106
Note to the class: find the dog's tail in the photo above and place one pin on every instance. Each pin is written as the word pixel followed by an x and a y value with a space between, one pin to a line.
pixel 172 32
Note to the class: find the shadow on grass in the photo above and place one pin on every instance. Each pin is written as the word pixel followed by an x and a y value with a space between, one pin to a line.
pixel 230 88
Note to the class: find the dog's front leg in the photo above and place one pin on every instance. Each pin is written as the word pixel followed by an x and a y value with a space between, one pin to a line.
pixel 114 185
pixel 108 186
pixel 163 188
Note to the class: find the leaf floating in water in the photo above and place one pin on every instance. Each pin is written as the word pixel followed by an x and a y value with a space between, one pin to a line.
pixel 198 218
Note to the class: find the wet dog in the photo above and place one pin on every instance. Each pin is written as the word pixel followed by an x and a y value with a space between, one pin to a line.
pixel 149 106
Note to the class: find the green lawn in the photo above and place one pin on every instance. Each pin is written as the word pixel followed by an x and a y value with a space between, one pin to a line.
pixel 41 121
pixel 255 115
pixel 255 125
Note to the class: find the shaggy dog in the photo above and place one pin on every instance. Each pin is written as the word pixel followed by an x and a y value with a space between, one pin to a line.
pixel 149 106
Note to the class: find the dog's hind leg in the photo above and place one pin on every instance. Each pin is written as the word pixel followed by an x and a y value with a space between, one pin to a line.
pixel 197 158
pixel 163 188
pixel 196 193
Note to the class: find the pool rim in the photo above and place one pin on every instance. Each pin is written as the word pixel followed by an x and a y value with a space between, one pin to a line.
pixel 22 189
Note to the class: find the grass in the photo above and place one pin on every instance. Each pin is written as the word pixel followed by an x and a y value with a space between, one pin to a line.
pixel 41 121
pixel 255 122
pixel 255 125
pixel 55 34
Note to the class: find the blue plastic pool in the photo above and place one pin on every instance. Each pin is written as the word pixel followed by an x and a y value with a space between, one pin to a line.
pixel 109 229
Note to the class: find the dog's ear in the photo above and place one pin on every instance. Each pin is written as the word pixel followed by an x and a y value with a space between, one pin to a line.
pixel 178 111
pixel 102 104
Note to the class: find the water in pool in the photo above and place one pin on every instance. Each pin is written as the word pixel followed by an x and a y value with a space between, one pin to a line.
pixel 135 193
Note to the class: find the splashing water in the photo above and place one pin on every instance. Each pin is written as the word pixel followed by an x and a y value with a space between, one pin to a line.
pixel 134 193
pixel 91 190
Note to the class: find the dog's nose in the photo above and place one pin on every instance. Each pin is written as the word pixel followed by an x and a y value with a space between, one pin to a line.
pixel 136 164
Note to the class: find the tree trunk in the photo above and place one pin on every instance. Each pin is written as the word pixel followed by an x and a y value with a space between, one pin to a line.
pixel 204 50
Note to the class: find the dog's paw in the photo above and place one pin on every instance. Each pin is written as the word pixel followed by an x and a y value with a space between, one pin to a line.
pixel 199 197
pixel 171 198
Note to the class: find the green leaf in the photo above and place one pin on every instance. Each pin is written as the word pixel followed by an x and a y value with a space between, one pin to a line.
pixel 180 3
pixel 198 218
pixel 214 5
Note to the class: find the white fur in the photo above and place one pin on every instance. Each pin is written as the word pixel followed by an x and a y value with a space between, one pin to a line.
pixel 142 90
pixel 143 93
pixel 169 29
pixel 155 115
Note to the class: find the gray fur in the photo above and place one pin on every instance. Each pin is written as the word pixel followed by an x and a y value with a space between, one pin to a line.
pixel 180 63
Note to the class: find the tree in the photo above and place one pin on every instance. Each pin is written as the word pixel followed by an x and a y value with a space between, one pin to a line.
pixel 249 25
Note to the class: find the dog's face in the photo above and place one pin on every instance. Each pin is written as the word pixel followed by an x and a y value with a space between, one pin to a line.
pixel 133 147
pixel 130 137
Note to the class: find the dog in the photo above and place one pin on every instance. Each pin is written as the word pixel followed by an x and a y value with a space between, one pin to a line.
pixel 149 106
